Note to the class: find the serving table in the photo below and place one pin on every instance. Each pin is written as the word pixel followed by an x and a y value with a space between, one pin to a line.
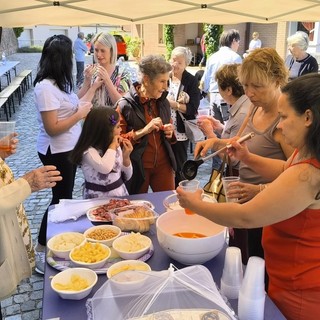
pixel 56 308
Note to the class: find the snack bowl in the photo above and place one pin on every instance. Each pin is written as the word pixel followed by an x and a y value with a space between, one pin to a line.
pixel 128 274
pixel 104 234
pixel 74 276
pixel 90 255
pixel 189 239
pixel 171 202
pixel 62 243
pixel 136 217
pixel 132 246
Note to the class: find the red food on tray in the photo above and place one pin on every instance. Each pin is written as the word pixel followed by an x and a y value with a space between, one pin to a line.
pixel 103 212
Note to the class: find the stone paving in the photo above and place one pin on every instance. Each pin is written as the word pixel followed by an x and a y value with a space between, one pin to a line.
pixel 26 303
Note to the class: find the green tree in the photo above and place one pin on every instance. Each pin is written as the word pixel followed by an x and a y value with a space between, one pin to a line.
pixel 212 35
pixel 18 31
pixel 168 39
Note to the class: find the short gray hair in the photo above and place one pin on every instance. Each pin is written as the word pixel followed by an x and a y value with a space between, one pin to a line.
pixel 81 35
pixel 182 52
pixel 153 65
pixel 107 40
pixel 300 39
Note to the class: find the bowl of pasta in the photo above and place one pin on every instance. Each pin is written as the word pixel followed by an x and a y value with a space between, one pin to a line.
pixel 132 246
pixel 74 283
pixel 61 244
pixel 90 255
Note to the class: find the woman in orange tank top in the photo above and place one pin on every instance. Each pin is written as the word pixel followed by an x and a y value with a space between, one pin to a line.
pixel 288 208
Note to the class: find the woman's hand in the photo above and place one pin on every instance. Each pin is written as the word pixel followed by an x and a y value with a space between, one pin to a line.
pixel 13 146
pixel 154 124
pixel 206 127
pixel 42 178
pixel 84 108
pixel 243 191
pixel 89 71
pixel 203 147
pixel 189 199
pixel 104 76
pixel 237 150
pixel 168 130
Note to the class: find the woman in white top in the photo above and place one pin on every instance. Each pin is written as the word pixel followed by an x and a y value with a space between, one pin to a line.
pixel 255 43
pixel 59 114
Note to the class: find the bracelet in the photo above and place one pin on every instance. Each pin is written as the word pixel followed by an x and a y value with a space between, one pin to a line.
pixel 178 106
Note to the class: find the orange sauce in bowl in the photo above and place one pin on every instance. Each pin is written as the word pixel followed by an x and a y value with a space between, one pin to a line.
pixel 189 235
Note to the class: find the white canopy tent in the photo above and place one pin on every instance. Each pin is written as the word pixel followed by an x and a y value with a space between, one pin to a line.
pixel 16 13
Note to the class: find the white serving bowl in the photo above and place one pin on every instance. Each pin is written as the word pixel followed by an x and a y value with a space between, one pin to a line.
pixel 91 265
pixel 62 243
pixel 132 246
pixel 172 203
pixel 128 274
pixel 64 277
pixel 189 251
pixel 127 265
pixel 102 230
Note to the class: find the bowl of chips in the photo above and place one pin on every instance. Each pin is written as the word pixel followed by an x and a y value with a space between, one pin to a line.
pixel 74 283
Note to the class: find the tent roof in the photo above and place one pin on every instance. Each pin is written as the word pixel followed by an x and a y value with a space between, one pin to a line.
pixel 16 13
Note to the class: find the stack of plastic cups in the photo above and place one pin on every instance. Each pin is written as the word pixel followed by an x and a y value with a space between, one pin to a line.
pixel 232 274
pixel 252 293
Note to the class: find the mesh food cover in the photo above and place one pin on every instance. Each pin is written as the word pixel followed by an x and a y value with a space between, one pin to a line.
pixel 185 294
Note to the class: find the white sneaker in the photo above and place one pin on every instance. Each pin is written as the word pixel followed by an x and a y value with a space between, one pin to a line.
pixel 40 261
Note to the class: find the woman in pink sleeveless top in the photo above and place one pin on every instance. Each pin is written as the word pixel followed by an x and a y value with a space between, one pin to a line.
pixel 288 209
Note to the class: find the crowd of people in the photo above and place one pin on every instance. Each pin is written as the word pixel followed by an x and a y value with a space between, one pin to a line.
pixel 128 137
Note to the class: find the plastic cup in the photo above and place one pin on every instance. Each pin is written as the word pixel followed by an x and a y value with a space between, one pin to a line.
pixel 232 274
pixel 6 131
pixel 253 281
pixel 251 309
pixel 189 186
pixel 226 185
pixel 203 112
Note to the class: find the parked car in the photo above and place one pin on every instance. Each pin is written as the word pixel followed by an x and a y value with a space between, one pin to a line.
pixel 121 47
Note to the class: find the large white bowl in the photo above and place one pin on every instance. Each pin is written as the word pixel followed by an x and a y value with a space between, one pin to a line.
pixel 64 277
pixel 186 250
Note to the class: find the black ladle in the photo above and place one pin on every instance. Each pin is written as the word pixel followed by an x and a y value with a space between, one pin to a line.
pixel 190 167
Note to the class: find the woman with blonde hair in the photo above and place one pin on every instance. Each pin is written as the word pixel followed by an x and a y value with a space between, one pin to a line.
pixel 300 62
pixel 262 75
pixel 115 81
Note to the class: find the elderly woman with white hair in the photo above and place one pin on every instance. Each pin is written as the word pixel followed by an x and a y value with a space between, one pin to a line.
pixel 184 98
pixel 299 61
pixel 116 82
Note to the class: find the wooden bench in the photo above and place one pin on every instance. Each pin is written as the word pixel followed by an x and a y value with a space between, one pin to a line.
pixel 4 105
pixel 22 82
pixel 8 93
pixel 27 75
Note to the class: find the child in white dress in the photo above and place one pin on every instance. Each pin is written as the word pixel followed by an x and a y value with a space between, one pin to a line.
pixel 103 155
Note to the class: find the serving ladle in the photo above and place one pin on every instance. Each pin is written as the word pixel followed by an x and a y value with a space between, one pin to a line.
pixel 190 167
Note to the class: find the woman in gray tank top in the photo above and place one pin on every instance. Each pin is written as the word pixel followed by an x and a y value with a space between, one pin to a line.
pixel 262 74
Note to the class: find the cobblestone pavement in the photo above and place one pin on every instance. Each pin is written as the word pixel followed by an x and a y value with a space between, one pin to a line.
pixel 26 303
